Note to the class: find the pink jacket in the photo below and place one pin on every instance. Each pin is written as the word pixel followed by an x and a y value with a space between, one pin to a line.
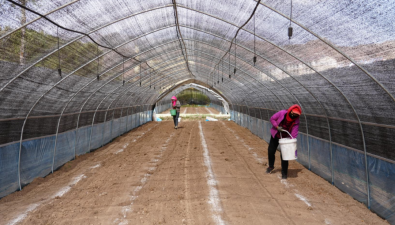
pixel 276 120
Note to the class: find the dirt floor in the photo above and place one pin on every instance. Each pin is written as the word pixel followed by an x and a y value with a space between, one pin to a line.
pixel 201 173
pixel 195 110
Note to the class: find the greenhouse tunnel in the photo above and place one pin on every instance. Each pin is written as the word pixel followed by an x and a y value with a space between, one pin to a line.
pixel 75 74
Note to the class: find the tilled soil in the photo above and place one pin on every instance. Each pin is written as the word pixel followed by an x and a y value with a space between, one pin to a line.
pixel 201 173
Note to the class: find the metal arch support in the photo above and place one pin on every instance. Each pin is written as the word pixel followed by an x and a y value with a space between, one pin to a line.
pixel 199 88
pixel 248 75
pixel 38 18
pixel 303 27
pixel 72 41
pixel 251 82
pixel 198 82
pixel 170 91
pixel 184 86
pixel 235 56
pixel 180 37
pixel 243 78
pixel 333 47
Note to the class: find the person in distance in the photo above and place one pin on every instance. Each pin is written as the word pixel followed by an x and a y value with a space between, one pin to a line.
pixel 284 120
pixel 177 106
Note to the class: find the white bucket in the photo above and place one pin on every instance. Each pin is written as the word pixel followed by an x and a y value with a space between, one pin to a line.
pixel 288 148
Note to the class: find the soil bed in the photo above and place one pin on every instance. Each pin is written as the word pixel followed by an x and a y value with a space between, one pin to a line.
pixel 201 173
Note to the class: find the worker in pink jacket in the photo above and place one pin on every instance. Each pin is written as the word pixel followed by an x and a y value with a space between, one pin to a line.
pixel 283 120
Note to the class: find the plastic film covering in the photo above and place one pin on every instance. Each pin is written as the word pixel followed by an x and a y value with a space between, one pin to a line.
pixel 64 151
pixel 36 158
pixel 9 169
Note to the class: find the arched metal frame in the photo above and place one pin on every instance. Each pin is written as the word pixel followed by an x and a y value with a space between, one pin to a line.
pixel 326 42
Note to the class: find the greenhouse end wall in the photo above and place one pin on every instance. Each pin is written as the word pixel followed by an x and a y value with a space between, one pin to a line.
pixel 348 166
pixel 37 154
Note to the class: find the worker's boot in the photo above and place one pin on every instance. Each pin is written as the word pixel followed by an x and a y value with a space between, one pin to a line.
pixel 269 169
pixel 283 175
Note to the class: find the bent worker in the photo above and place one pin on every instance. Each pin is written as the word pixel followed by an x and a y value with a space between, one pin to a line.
pixel 284 120
pixel 177 106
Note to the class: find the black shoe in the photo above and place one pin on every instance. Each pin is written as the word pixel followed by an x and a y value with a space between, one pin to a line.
pixel 269 169
pixel 284 177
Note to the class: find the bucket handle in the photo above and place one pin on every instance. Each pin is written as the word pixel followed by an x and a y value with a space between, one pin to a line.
pixel 287 132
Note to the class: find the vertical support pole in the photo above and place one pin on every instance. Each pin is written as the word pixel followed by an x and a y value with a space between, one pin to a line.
pixel 366 164
pixel 56 142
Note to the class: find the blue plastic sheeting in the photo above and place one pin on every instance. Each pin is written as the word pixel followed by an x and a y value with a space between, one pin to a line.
pixel 303 154
pixel 9 155
pixel 150 115
pixel 82 144
pixel 259 128
pixel 129 123
pixel 36 158
pixel 253 125
pixel 267 134
pixel 115 128
pixel 320 157
pixel 123 124
pixel 64 148
pixel 97 133
pixel 245 120
pixel 349 172
pixel 382 188
pixel 133 121
pixel 107 133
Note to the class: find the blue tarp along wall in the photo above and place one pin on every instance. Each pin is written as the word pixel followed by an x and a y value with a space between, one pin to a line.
pixel 348 166
pixel 37 155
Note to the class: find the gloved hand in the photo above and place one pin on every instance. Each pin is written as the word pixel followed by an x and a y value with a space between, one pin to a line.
pixel 280 129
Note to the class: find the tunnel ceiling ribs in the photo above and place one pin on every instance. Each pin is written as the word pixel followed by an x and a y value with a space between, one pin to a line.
pixel 173 44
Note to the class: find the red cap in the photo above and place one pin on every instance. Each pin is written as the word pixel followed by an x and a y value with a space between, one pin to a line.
pixel 296 111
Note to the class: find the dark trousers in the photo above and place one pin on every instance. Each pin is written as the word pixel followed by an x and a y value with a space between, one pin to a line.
pixel 175 118
pixel 271 155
